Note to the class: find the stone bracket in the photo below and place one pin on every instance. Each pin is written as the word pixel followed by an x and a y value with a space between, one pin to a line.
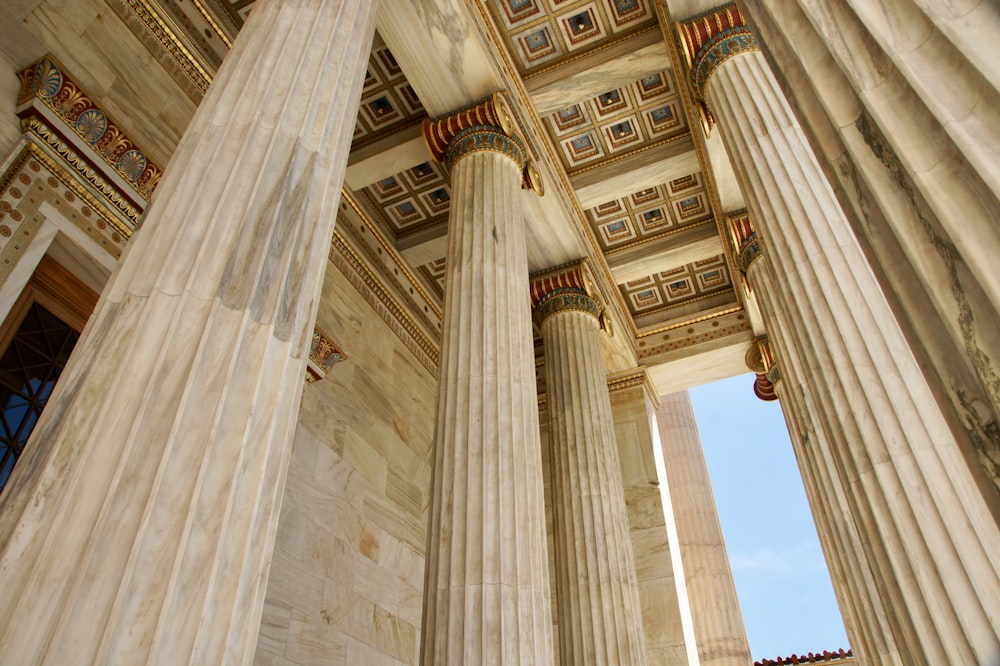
pixel 323 355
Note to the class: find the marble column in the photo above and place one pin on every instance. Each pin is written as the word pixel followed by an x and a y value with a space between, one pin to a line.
pixel 917 186
pixel 718 623
pixel 600 617
pixel 912 494
pixel 139 525
pixel 877 635
pixel 486 595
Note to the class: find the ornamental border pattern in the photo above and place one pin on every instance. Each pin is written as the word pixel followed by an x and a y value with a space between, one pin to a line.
pixel 49 83
pixel 163 35
pixel 568 299
pixel 118 203
pixel 484 139
pixel 33 178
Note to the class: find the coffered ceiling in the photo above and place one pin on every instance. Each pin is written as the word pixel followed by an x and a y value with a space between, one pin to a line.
pixel 629 179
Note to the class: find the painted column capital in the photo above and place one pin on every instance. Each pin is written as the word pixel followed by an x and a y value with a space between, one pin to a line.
pixel 488 125
pixel 760 359
pixel 746 242
pixel 565 288
pixel 710 39
pixel 323 355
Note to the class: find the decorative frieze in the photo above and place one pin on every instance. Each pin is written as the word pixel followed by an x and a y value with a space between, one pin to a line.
pixel 34 176
pixel 50 96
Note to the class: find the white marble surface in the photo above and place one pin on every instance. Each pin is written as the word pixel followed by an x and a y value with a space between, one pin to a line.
pixel 934 539
pixel 348 568
pixel 718 623
pixel 428 37
pixel 914 235
pixel 600 618
pixel 153 463
pixel 487 590
pixel 606 75
pixel 666 613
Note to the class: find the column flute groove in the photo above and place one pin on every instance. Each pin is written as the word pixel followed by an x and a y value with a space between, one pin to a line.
pixel 600 619
pixel 901 467
pixel 486 584
pixel 718 624
pixel 150 463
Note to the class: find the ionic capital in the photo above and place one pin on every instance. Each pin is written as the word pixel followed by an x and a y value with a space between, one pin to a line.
pixel 489 125
pixel 323 355
pixel 745 240
pixel 760 359
pixel 712 38
pixel 566 288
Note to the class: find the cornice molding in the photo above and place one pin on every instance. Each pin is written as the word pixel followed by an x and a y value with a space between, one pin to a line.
pixel 48 93
pixel 632 379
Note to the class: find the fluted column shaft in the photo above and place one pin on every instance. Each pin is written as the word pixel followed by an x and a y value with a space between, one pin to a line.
pixel 877 634
pixel 918 186
pixel 600 617
pixel 139 526
pixel 912 494
pixel 487 584
pixel 718 623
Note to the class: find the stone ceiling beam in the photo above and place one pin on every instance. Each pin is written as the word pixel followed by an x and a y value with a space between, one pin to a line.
pixel 436 45
pixel 558 89
pixel 392 155
pixel 424 246
pixel 687 246
pixel 700 364
pixel 649 168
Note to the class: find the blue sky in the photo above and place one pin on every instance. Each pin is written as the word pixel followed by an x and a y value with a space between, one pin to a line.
pixel 781 578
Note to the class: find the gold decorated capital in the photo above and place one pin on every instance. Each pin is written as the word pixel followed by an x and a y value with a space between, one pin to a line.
pixel 323 355
pixel 710 39
pixel 760 359
pixel 746 243
pixel 489 125
pixel 566 288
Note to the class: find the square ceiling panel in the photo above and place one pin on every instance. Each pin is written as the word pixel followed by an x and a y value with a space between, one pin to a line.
pixel 617 122
pixel 542 33
pixel 650 213
pixel 677 287
pixel 415 199
pixel 388 103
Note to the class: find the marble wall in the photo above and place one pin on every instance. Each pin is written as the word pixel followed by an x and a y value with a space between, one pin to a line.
pixel 346 582
pixel 666 615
